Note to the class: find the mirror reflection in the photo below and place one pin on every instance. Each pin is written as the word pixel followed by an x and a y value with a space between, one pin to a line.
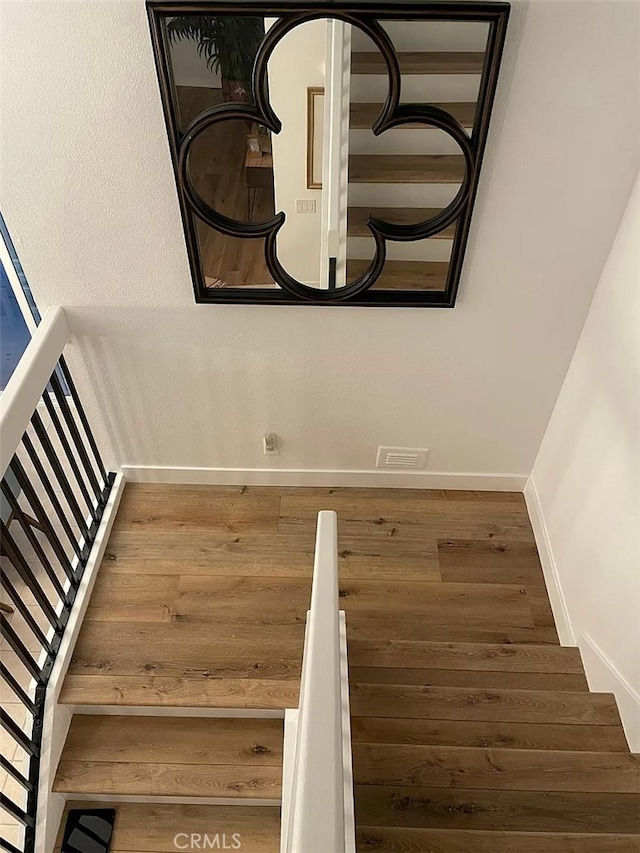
pixel 326 170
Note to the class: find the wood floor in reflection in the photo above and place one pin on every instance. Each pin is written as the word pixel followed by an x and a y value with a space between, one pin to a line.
pixel 217 164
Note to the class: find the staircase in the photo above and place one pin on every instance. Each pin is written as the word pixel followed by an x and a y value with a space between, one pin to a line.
pixel 472 728
pixel 487 747
pixel 188 775
pixel 409 173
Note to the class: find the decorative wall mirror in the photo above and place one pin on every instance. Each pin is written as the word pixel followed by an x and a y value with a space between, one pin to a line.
pixel 327 153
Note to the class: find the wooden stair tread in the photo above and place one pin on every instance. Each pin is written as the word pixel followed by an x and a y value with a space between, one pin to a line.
pixel 357 219
pixel 411 840
pixel 188 740
pixel 152 827
pixel 504 811
pixel 462 678
pixel 172 756
pixel 484 657
pixel 488 734
pixel 495 769
pixel 184 691
pixel 404 275
pixel 363 114
pixel 169 780
pixel 459 703
pixel 196 651
pixel 420 62
pixel 406 168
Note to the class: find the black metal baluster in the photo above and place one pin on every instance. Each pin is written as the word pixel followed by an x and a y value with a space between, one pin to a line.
pixel 19 814
pixel 9 847
pixel 62 478
pixel 11 550
pixel 55 474
pixel 17 689
pixel 64 441
pixel 26 525
pixel 18 647
pixel 24 611
pixel 44 479
pixel 21 737
pixel 83 418
pixel 67 414
pixel 8 767
pixel 42 517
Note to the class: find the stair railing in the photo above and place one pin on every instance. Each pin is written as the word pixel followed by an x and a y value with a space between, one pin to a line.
pixel 53 492
pixel 317 815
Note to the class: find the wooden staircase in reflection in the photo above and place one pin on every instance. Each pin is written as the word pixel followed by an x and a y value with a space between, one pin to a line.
pixel 414 174
pixel 420 62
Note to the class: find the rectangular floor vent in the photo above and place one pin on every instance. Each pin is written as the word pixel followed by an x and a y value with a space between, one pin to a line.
pixel 401 457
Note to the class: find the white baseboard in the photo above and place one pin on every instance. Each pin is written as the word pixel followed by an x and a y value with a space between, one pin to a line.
pixel 603 677
pixel 356 478
pixel 549 568
pixel 57 718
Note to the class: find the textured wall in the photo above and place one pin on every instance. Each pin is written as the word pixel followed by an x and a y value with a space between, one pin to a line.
pixel 87 191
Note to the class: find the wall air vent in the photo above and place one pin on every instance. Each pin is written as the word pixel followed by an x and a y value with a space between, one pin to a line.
pixel 401 457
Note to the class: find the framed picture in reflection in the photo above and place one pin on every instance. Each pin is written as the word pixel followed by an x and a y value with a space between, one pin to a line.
pixel 315 128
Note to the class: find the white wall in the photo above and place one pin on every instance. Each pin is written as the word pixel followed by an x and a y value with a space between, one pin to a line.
pixel 296 64
pixel 88 193
pixel 586 484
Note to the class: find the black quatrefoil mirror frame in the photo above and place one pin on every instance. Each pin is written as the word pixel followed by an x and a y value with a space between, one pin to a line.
pixel 369 18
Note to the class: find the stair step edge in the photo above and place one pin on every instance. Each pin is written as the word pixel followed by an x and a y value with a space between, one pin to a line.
pixel 84 797
pixel 97 709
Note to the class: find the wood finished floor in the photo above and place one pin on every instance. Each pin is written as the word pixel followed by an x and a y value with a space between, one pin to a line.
pixel 202 595
pixel 472 729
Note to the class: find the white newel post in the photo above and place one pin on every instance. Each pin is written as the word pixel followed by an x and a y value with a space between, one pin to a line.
pixel 335 153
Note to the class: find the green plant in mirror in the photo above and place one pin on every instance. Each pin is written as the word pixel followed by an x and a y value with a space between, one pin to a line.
pixel 229 45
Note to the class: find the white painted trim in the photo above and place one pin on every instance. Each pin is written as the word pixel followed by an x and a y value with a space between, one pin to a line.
pixel 176 711
pixel 288 756
pixel 29 380
pixel 602 674
pixel 57 718
pixel 559 607
pixel 358 478
pixel 347 755
pixel 290 736
pixel 317 769
pixel 335 161
pixel 604 677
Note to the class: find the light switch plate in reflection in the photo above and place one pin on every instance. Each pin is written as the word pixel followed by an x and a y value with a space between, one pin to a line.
pixel 305 205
